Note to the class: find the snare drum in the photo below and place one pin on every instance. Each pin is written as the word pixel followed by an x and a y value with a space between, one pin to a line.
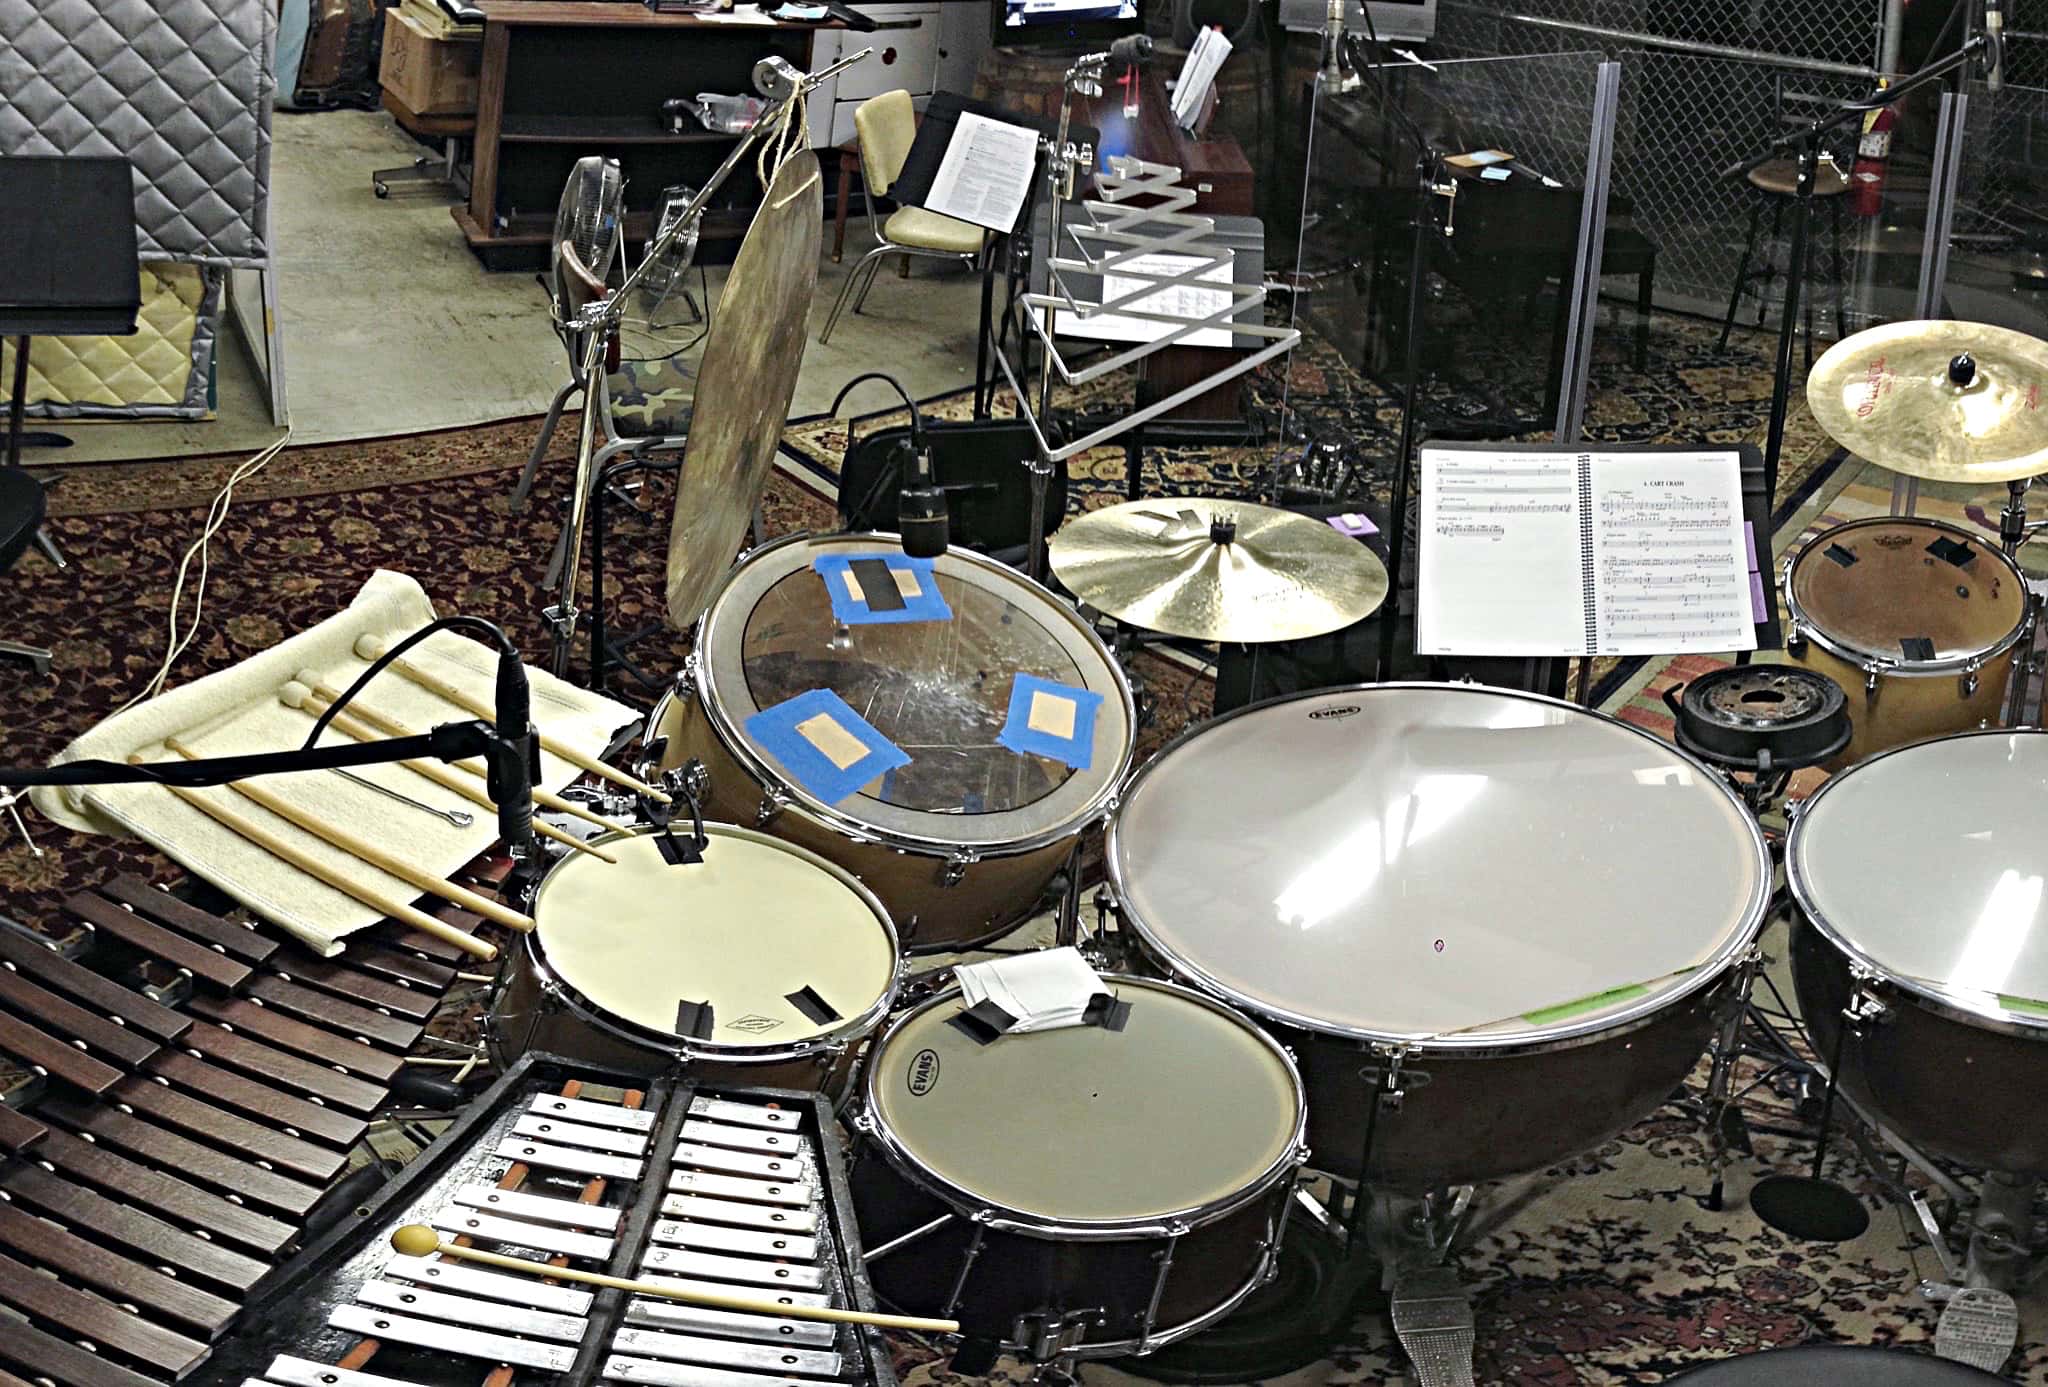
pixel 1082 1191
pixel 762 964
pixel 1520 917
pixel 1919 876
pixel 982 802
pixel 1919 622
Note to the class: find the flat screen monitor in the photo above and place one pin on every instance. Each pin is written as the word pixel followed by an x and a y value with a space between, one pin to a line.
pixel 1069 22
pixel 1408 21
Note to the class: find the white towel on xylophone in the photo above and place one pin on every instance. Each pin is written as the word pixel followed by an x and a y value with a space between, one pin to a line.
pixel 239 711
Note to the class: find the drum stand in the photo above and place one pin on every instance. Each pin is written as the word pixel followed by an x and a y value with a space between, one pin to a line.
pixel 2014 530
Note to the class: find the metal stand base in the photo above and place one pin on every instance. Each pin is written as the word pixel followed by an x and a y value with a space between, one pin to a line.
pixel 445 171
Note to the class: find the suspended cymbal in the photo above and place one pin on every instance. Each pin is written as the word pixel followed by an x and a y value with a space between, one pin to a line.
pixel 1942 401
pixel 1218 570
pixel 744 385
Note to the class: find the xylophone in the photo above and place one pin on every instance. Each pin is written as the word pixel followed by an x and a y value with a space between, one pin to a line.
pixel 186 1094
pixel 671 1185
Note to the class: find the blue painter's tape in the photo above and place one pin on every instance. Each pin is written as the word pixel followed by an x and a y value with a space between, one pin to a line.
pixel 926 604
pixel 1061 702
pixel 798 731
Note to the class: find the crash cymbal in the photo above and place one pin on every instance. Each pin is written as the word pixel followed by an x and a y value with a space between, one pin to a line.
pixel 1218 570
pixel 1942 401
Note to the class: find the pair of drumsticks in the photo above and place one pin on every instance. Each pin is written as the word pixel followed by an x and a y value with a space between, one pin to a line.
pixel 464 778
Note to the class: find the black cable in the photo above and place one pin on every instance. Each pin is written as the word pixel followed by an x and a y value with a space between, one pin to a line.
pixel 451 741
pixel 377 666
pixel 885 475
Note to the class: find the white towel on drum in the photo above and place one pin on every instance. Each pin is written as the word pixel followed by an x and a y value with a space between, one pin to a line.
pixel 237 711
pixel 1040 991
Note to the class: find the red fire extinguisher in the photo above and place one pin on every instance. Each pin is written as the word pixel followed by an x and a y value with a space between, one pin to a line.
pixel 1873 158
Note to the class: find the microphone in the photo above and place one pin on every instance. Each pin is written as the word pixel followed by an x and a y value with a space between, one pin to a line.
pixel 513 762
pixel 921 514
pixel 1994 47
pixel 1133 49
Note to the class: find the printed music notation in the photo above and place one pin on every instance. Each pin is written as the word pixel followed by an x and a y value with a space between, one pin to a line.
pixel 1556 553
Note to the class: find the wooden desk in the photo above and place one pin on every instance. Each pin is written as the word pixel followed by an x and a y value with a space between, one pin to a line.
pixel 566 78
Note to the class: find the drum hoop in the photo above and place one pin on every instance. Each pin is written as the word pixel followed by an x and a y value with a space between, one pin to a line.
pixel 1979 1009
pixel 1003 1219
pixel 668 1042
pixel 1898 665
pixel 862 830
pixel 1477 1046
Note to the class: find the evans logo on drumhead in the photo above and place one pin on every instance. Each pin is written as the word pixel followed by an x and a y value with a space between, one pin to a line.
pixel 1341 711
pixel 924 1073
pixel 753 1023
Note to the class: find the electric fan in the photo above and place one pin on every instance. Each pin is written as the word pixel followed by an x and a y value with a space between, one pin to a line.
pixel 586 233
pixel 663 286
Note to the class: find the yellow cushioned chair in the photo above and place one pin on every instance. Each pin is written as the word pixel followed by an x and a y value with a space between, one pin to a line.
pixel 886 125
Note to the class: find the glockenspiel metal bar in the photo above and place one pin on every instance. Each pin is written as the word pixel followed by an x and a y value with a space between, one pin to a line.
pixel 472 1312
pixel 448 1338
pixel 470 1223
pixel 590 1164
pixel 598 1114
pixel 752 1271
pixel 747 1114
pixel 797 1193
pixel 540 1208
pixel 739 1213
pixel 623 1368
pixel 495 1285
pixel 701 1157
pixel 712 1237
pixel 685 1318
pixel 724 1353
pixel 553 1129
pixel 743 1138
pixel 300 1372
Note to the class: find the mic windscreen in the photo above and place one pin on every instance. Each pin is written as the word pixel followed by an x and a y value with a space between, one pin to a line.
pixel 925 525
pixel 1131 49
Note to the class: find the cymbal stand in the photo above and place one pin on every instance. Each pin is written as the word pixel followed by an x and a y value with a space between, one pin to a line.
pixel 2014 530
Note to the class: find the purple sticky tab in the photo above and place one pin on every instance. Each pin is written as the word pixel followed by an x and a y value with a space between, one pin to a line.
pixel 1354 524
pixel 1758 612
pixel 1749 538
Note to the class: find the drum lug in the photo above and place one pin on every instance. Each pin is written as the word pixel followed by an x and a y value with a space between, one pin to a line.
pixel 686 679
pixel 1970 677
pixel 1865 1006
pixel 692 778
pixel 1392 1084
pixel 1049 1338
pixel 1795 643
pixel 773 802
pixel 1871 673
pixel 956 867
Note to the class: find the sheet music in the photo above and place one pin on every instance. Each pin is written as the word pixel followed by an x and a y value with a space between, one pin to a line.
pixel 1498 559
pixel 1532 553
pixel 1197 74
pixel 1671 567
pixel 986 173
pixel 1185 301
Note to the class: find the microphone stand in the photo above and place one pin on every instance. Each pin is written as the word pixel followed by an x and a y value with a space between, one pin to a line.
pixel 1805 143
pixel 1431 183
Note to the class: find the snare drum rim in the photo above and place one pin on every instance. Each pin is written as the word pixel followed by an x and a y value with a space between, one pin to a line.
pixel 690 1051
pixel 698 667
pixel 1981 1009
pixel 977 1209
pixel 1701 977
pixel 1804 627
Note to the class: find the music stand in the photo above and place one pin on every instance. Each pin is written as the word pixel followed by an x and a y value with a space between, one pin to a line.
pixel 71 267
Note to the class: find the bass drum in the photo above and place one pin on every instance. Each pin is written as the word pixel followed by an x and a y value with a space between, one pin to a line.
pixel 1008 724
pixel 1919 878
pixel 1523 917
pixel 761 964
pixel 1084 1191
pixel 1918 621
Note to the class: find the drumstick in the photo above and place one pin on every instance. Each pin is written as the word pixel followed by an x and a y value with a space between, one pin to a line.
pixel 297 695
pixel 369 851
pixel 394 728
pixel 277 847
pixel 373 647
pixel 418 1240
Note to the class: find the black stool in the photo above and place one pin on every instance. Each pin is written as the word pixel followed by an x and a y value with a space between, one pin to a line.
pixel 1774 183
pixel 21 515
pixel 1826 1365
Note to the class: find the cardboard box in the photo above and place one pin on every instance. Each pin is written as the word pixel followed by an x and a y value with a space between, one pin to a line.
pixel 429 76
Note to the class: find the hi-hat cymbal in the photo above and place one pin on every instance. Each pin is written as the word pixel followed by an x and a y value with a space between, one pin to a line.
pixel 1218 570
pixel 1942 401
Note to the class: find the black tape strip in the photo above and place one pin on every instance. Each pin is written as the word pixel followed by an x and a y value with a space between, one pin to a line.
pixel 694 1020
pixel 877 585
pixel 1917 647
pixel 677 852
pixel 1839 555
pixel 807 1001
pixel 1107 1011
pixel 1952 551
pixel 983 1023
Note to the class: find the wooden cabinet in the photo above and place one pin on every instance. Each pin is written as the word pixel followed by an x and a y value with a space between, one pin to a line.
pixel 566 78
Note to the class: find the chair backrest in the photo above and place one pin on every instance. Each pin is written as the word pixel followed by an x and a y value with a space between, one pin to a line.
pixel 21 511
pixel 886 125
